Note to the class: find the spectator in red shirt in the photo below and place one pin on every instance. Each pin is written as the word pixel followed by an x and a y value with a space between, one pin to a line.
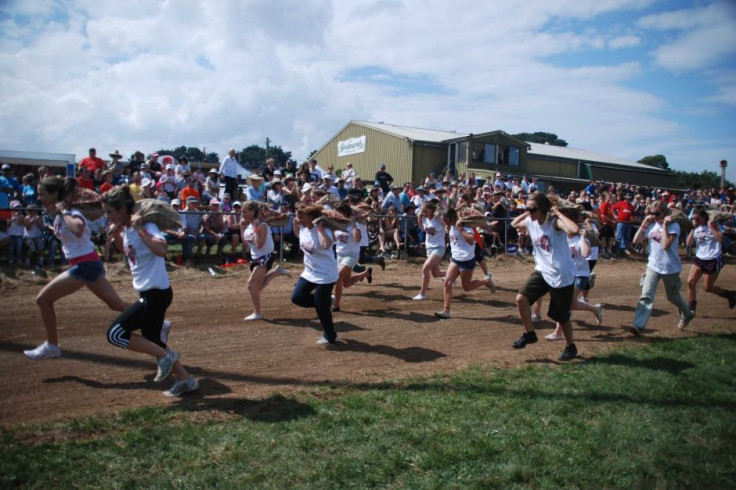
pixel 608 221
pixel 92 162
pixel 189 190
pixel 106 182
pixel 624 213
pixel 84 180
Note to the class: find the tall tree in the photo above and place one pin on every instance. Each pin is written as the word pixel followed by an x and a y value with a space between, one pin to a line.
pixel 659 161
pixel 541 137
pixel 254 156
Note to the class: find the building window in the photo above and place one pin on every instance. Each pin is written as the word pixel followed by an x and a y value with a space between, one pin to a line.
pixel 489 154
pixel 462 152
pixel 513 156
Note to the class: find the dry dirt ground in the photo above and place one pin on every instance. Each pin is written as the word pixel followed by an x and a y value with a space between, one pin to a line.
pixel 386 334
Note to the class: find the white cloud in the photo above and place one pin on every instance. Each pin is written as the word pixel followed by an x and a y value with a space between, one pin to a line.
pixel 146 75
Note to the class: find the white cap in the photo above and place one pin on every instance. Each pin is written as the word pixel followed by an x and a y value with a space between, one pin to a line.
pixel 306 187
pixel 146 182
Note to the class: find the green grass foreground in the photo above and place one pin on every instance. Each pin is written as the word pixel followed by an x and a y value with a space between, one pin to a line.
pixel 654 416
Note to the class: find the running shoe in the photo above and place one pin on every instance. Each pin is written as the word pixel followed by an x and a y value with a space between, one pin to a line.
pixel 569 353
pixel 324 340
pixel 599 313
pixel 526 338
pixel 281 271
pixel 554 336
pixel 182 387
pixel 43 351
pixel 420 297
pixel 369 276
pixel 381 262
pixel 635 331
pixel 536 317
pixel 684 322
pixel 491 284
pixel 442 314
pixel 253 317
pixel 166 364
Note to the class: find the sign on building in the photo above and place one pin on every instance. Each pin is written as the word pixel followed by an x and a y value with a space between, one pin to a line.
pixel 351 146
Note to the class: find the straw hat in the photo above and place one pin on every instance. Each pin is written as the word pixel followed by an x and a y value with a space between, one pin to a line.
pixel 255 177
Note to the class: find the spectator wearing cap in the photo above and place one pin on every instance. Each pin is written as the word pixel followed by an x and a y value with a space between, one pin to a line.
pixel 499 181
pixel 420 197
pixel 254 190
pixel 91 162
pixel 153 164
pixel 190 190
pixel 392 199
pixel 147 188
pixel 348 175
pixel 211 185
pixel 229 173
pixel 431 182
pixel 384 179
pixel 327 185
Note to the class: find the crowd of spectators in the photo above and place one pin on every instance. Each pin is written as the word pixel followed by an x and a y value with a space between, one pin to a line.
pixel 210 202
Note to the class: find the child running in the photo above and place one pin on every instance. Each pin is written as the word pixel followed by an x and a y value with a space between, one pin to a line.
pixel 257 235
pixel 347 246
pixel 145 248
pixel 430 223
pixel 462 241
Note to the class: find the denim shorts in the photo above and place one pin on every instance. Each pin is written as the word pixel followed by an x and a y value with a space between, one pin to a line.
pixel 436 250
pixel 582 283
pixel 88 272
pixel 464 265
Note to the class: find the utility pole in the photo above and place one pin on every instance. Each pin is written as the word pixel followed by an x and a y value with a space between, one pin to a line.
pixel 268 141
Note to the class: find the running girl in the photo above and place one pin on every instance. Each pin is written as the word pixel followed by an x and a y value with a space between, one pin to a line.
pixel 430 223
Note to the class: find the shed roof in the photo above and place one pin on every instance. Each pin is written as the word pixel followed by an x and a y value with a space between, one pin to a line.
pixel 416 134
pixel 36 158
pixel 585 156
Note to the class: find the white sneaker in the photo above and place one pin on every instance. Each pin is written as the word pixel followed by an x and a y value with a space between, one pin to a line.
pixel 182 387
pixel 536 318
pixel 280 270
pixel 552 336
pixel 323 340
pixel 43 351
pixel 253 317
pixel 599 313
pixel 333 298
pixel 491 284
pixel 420 297
pixel 165 329
pixel 583 299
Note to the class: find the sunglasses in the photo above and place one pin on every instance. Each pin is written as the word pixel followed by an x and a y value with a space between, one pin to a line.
pixel 532 209
pixel 655 214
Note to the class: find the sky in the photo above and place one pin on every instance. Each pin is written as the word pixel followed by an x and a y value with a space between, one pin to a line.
pixel 626 78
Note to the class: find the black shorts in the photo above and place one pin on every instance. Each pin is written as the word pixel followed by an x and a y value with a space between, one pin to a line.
pixel 560 299
pixel 607 231
pixel 479 253
pixel 709 267
pixel 263 261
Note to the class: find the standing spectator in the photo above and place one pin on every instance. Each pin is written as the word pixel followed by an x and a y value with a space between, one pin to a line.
pixel 608 221
pixel 624 211
pixel 33 235
pixel 28 190
pixel 348 175
pixel 192 219
pixel 115 166
pixel 91 162
pixel 327 184
pixel 315 171
pixel 229 173
pixel 383 179
pixel 664 263
pixel 16 227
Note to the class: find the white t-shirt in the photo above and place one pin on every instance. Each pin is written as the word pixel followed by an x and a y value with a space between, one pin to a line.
pixel 434 229
pixel 461 250
pixel 35 231
pixel 147 268
pixel 72 245
pixel 15 228
pixel 320 265
pixel 660 260
pixel 707 247
pixel 249 237
pixel 551 253
pixel 593 250
pixel 345 244
pixel 581 263
pixel 364 239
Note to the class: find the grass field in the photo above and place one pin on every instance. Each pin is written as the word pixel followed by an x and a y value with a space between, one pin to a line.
pixel 654 416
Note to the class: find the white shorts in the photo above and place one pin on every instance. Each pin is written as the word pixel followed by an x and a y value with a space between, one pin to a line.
pixel 348 260
pixel 436 250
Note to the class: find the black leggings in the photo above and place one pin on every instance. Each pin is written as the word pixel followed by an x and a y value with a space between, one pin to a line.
pixel 146 314
pixel 320 300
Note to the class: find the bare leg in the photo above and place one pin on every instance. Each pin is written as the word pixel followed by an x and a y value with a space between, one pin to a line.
pixel 452 272
pixel 525 312
pixel 469 284
pixel 255 284
pixel 692 283
pixel 62 285
pixel 104 290
pixel 431 267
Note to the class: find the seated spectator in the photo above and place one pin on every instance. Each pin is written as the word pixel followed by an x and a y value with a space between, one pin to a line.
pixel 190 191
pixel 232 231
pixel 214 227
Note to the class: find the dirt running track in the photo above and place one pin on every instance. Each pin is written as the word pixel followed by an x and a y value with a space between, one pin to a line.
pixel 388 336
